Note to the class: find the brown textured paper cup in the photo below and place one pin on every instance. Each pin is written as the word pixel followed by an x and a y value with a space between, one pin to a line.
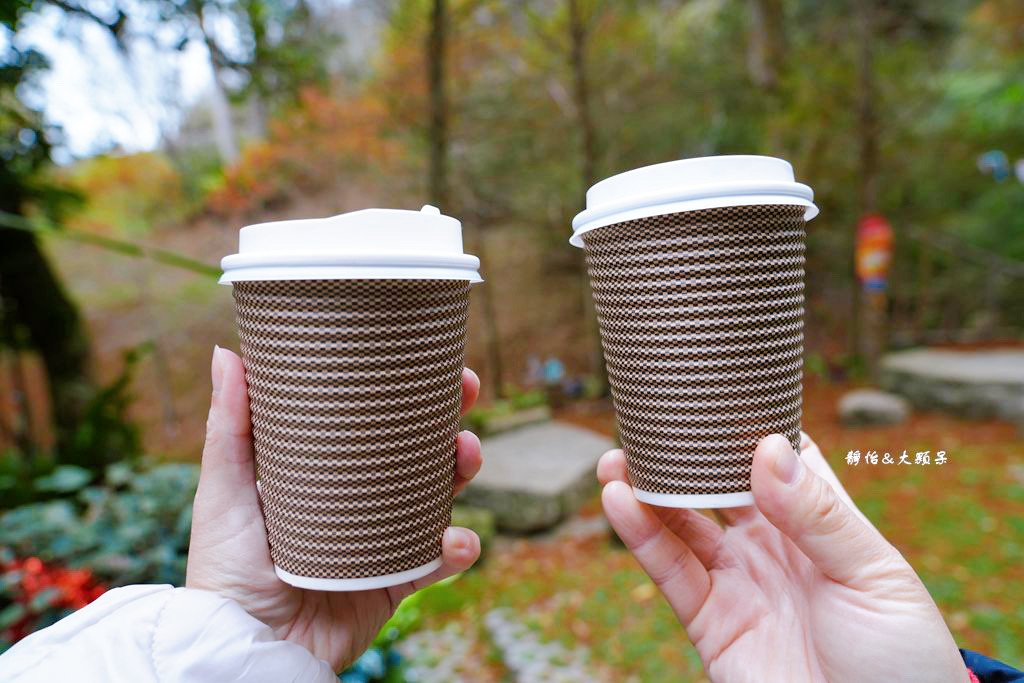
pixel 701 317
pixel 355 388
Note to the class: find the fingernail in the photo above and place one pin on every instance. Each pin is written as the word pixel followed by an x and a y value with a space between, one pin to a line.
pixel 458 539
pixel 216 369
pixel 787 466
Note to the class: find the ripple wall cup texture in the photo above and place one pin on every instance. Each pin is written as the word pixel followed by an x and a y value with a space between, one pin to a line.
pixel 697 273
pixel 352 334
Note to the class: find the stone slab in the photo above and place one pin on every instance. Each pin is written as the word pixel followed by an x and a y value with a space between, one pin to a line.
pixel 872 407
pixel 535 476
pixel 983 383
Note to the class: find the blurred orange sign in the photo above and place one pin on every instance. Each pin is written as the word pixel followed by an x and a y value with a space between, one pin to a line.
pixel 873 251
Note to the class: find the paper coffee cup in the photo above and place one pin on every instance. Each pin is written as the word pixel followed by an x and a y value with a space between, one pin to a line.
pixel 352 334
pixel 697 272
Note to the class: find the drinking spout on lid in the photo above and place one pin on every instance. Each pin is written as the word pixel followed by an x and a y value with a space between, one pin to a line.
pixel 430 210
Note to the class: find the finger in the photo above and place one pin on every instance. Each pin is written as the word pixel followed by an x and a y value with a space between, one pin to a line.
pixel 735 516
pixel 612 467
pixel 805 508
pixel 698 532
pixel 470 389
pixel 460 548
pixel 468 459
pixel 811 456
pixel 667 560
pixel 227 472
pixel 695 530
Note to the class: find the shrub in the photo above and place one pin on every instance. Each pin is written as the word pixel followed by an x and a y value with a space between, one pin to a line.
pixel 34 595
pixel 127 195
pixel 133 529
pixel 311 147
pixel 105 434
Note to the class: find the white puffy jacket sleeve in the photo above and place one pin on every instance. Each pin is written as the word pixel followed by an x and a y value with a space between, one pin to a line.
pixel 162 634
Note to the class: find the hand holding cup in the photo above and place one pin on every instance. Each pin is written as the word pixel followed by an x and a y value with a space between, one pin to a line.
pixel 229 553
pixel 799 588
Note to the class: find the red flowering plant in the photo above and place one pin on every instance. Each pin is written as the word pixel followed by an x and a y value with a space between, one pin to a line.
pixel 59 555
pixel 34 595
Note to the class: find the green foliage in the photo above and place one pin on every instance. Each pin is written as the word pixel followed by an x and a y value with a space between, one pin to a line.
pixel 479 417
pixel 380 662
pixel 200 173
pixel 18 471
pixel 285 45
pixel 63 479
pixel 816 365
pixel 440 596
pixel 480 520
pixel 132 529
pixel 528 399
pixel 106 434
pixel 128 195
pixel 994 221
pixel 25 141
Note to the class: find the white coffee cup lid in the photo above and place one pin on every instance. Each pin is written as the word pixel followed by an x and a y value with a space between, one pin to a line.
pixel 368 244
pixel 691 185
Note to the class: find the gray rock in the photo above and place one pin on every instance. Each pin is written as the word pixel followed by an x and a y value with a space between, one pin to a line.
pixel 535 476
pixel 986 383
pixel 872 407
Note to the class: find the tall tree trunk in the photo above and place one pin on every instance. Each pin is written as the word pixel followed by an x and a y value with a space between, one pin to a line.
pixel 438 130
pixel 223 126
pixel 254 13
pixel 869 318
pixel 767 47
pixel 37 313
pixel 224 135
pixel 867 115
pixel 495 365
pixel 578 34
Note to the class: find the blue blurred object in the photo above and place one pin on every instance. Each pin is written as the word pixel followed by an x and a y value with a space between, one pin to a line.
pixel 573 387
pixel 989 670
pixel 996 163
pixel 874 284
pixel 352 676
pixel 371 664
pixel 554 371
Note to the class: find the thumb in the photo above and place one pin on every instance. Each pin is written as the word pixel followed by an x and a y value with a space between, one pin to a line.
pixel 227 473
pixel 806 509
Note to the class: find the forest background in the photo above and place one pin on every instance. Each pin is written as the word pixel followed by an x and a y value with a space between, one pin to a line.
pixel 502 113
